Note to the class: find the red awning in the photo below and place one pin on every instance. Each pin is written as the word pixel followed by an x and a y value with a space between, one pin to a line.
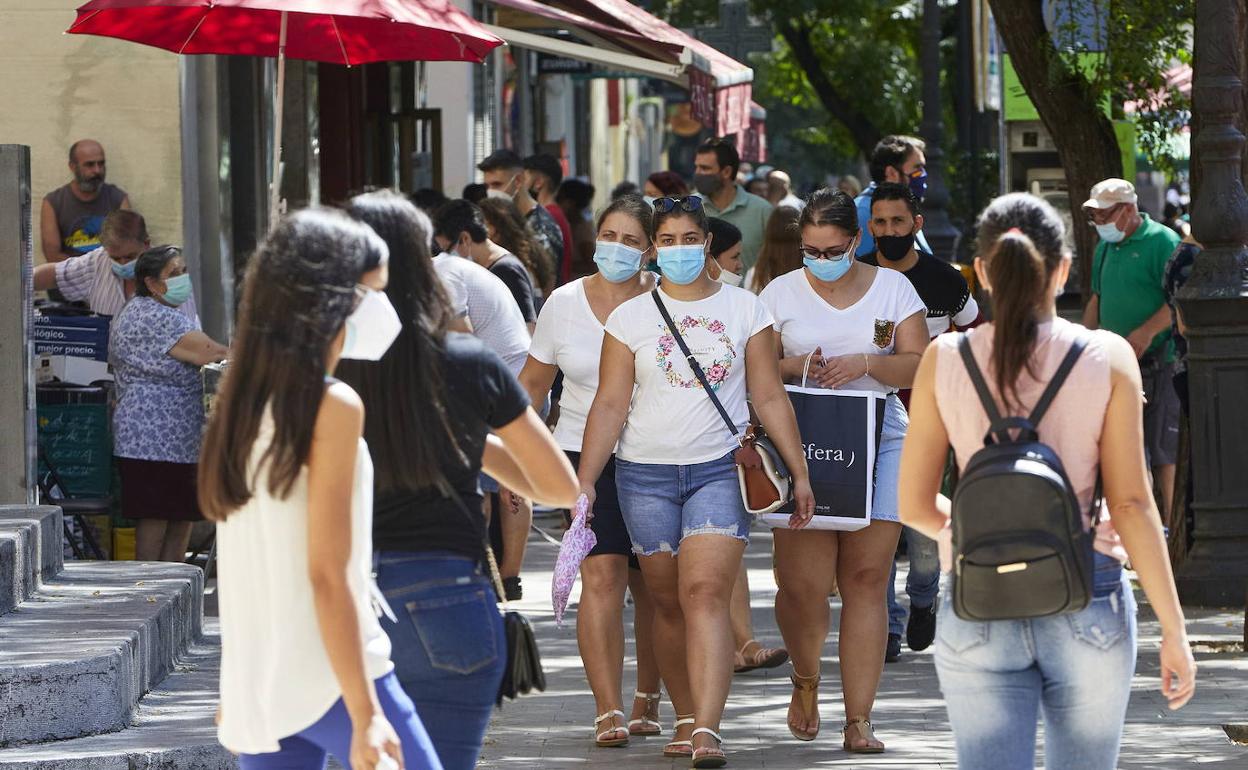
pixel 720 95
pixel 629 41
pixel 754 147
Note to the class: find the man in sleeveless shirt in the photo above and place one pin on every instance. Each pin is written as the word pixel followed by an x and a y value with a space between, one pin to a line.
pixel 73 215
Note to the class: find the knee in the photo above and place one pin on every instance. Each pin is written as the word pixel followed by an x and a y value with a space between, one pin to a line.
pixel 701 595
pixel 866 582
pixel 601 575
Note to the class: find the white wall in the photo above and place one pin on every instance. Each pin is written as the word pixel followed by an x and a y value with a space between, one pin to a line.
pixel 450 90
pixel 57 88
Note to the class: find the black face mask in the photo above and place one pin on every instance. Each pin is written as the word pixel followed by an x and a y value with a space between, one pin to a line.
pixel 894 248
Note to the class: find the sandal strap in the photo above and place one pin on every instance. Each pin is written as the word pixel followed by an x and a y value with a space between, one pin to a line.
pixel 643 722
pixel 805 683
pixel 709 732
pixel 608 715
pixel 859 721
pixel 639 695
pixel 741 651
pixel 685 721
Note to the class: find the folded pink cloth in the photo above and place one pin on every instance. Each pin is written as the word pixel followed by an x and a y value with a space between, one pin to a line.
pixel 578 541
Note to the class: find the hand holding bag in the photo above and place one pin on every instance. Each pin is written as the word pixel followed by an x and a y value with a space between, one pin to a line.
pixel 766 484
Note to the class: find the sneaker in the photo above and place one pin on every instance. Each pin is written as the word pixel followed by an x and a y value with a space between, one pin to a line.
pixel 892 652
pixel 921 628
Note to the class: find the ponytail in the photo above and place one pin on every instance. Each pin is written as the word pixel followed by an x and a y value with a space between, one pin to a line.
pixel 1018 277
pixel 1021 242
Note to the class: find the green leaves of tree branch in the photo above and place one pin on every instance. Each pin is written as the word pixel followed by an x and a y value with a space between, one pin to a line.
pixel 1143 40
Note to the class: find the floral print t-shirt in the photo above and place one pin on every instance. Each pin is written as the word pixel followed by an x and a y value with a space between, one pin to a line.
pixel 160 407
pixel 672 420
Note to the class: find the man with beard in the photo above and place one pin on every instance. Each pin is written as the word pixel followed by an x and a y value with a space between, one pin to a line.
pixel 715 173
pixel 73 215
pixel 504 171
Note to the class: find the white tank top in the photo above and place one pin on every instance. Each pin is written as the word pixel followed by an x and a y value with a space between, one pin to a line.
pixel 276 678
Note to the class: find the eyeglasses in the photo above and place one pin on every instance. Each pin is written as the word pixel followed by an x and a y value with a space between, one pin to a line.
pixel 828 254
pixel 1103 216
pixel 688 205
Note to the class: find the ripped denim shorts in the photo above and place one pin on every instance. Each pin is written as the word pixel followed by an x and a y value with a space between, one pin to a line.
pixel 664 504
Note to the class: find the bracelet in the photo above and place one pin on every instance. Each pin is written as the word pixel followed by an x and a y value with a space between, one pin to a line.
pixel 866 362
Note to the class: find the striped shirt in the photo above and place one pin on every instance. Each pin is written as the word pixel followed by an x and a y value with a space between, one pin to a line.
pixel 89 278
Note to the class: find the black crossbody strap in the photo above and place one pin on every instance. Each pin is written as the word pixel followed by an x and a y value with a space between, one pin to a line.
pixel 693 362
pixel 1055 384
pixel 981 387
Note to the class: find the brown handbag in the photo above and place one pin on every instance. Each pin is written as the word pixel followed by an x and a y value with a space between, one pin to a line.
pixel 766 484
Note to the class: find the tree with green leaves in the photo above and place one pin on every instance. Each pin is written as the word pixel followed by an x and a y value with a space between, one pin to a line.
pixel 1070 85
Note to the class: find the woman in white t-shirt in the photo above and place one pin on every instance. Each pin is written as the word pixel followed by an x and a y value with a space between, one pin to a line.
pixel 862 328
pixel 286 474
pixel 568 338
pixel 675 472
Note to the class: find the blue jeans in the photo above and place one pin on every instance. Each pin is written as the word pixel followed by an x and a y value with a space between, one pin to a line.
pixel 309 749
pixel 1075 669
pixel 922 581
pixel 664 504
pixel 449 650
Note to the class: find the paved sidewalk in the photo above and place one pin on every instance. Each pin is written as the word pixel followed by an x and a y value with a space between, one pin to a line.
pixel 553 729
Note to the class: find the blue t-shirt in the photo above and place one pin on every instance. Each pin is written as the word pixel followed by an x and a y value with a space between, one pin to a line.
pixel 863 202
pixel 160 409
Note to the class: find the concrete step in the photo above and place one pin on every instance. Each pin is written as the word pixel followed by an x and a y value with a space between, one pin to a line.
pixel 78 655
pixel 173 728
pixel 30 551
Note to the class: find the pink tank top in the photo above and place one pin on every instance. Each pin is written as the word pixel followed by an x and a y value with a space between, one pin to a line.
pixel 1072 426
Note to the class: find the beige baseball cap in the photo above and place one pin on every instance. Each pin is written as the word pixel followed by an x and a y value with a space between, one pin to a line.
pixel 1110 193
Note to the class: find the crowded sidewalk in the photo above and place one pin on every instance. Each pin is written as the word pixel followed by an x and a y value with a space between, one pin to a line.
pixel 551 729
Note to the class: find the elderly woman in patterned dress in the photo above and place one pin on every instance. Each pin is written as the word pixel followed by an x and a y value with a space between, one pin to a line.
pixel 156 353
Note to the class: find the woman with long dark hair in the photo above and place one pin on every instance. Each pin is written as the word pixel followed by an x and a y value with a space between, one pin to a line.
pixel 781 252
pixel 286 474
pixel 508 228
pixel 568 339
pixel 1074 669
pixel 675 470
pixel 861 328
pixel 432 401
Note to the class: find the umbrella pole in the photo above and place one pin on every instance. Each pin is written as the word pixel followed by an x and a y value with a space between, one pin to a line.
pixel 275 188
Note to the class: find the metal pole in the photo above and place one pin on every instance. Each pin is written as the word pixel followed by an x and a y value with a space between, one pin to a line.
pixel 275 188
pixel 1214 304
pixel 17 387
pixel 942 236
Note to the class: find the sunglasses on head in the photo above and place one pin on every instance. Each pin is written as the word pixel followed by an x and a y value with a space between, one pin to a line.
pixel 667 205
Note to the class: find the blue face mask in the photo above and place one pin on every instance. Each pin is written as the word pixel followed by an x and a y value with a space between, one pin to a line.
pixel 682 264
pixel 1110 233
pixel 125 272
pixel 826 269
pixel 616 262
pixel 178 289
pixel 918 184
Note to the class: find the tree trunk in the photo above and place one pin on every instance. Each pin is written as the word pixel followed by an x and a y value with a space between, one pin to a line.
pixel 863 130
pixel 1083 134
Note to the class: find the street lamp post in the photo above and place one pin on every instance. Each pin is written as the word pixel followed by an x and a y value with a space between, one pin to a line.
pixel 1214 304
pixel 941 235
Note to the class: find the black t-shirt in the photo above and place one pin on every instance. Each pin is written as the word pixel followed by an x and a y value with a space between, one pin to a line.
pixel 513 273
pixel 481 394
pixel 939 284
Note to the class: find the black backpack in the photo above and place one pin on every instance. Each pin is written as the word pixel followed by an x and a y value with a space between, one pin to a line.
pixel 1020 546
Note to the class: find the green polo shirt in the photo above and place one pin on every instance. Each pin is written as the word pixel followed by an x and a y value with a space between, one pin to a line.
pixel 749 213
pixel 1129 277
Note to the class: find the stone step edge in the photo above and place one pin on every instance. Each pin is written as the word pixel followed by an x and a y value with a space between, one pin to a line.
pixel 31 551
pixel 173 727
pixel 77 657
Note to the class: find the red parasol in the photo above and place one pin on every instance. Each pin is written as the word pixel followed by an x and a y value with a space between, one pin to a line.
pixel 346 32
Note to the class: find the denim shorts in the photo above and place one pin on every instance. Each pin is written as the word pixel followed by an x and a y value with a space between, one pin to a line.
pixel 888 461
pixel 664 504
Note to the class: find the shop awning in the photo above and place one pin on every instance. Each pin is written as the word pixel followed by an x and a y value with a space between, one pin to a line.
pixel 605 57
pixel 719 86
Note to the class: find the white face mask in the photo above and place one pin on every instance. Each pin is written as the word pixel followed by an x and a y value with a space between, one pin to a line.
pixel 372 328
pixel 732 279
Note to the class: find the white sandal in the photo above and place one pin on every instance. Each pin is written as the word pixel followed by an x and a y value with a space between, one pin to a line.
pixel 714 757
pixel 604 742
pixel 680 748
pixel 645 725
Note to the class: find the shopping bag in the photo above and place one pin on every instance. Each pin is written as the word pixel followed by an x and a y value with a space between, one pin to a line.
pixel 840 432
pixel 577 542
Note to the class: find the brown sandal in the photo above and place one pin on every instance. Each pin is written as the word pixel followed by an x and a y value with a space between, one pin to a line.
pixel 865 733
pixel 763 657
pixel 807 689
